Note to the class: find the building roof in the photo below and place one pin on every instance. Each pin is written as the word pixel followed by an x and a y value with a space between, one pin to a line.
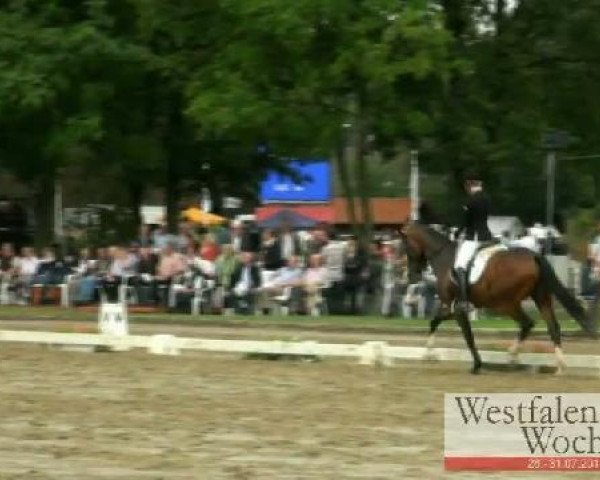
pixel 385 211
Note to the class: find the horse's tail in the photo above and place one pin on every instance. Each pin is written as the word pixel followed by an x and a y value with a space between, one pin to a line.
pixel 568 301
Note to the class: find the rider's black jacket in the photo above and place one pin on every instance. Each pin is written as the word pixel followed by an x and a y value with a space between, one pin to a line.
pixel 476 211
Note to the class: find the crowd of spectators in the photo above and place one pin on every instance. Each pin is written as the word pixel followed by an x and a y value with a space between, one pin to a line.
pixel 239 269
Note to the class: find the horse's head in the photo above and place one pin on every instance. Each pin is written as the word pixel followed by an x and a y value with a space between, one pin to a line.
pixel 415 248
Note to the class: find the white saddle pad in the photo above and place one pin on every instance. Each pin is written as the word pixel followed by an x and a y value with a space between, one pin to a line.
pixel 481 259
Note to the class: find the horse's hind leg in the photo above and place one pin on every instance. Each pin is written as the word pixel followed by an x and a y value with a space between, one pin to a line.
pixel 544 303
pixel 465 326
pixel 526 323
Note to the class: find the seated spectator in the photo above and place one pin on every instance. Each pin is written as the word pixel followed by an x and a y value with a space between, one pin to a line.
pixel 288 276
pixel 103 261
pixel 121 268
pixel 145 279
pixel 203 266
pixel 83 285
pixel 171 264
pixel 315 278
pixel 160 238
pixel 392 280
pixel 145 237
pixel 244 282
pixel 271 252
pixel 51 269
pixel 7 263
pixel 209 249
pixel 286 280
pixel 224 268
pixel 26 268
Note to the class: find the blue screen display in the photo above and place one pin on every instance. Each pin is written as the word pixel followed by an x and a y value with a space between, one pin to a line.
pixel 316 186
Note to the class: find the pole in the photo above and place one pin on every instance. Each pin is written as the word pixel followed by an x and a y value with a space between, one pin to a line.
pixel 58 212
pixel 414 185
pixel 550 194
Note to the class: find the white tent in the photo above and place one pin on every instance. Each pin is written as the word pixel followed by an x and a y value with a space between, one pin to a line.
pixel 511 226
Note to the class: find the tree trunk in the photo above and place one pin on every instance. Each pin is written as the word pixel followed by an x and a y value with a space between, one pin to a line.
pixel 363 183
pixel 347 190
pixel 172 194
pixel 44 210
pixel 136 195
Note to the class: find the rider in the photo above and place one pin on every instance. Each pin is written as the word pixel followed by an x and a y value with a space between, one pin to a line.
pixel 475 229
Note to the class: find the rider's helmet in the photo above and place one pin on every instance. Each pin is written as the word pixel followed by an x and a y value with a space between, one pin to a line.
pixel 471 180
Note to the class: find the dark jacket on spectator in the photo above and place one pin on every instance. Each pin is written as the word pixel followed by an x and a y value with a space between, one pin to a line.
pixel 147 265
pixel 272 258
pixel 354 267
pixel 236 276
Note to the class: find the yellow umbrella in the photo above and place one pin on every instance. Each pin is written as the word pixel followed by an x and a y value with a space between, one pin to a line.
pixel 196 215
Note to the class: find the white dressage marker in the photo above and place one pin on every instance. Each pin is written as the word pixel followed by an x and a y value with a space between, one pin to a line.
pixel 163 345
pixel 112 319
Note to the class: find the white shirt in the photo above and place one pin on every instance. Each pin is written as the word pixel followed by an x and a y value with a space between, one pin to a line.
pixel 287 245
pixel 28 265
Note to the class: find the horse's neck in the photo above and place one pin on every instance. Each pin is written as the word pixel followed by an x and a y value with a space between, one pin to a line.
pixel 442 258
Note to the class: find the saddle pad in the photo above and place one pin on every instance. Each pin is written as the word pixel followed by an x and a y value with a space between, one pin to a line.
pixel 480 261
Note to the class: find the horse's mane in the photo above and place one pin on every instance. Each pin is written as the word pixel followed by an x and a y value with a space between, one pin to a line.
pixel 434 235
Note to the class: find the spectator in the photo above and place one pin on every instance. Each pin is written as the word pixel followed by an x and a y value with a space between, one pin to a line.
pixel 225 265
pixel 245 280
pixel 286 277
pixel 289 242
pixel 237 236
pixel 209 249
pixel 144 282
pixel 25 270
pixel 160 238
pixel 170 265
pixel 51 269
pixel 318 240
pixel 145 237
pixel 392 275
pixel 103 261
pixel 184 237
pixel 83 286
pixel 203 266
pixel 313 281
pixel 121 268
pixel 373 274
pixel 271 251
pixel 354 271
pixel 7 262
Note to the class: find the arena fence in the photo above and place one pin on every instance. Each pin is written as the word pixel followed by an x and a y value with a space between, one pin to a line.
pixel 370 353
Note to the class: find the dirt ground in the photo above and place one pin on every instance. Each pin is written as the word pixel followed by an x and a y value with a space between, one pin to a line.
pixel 68 415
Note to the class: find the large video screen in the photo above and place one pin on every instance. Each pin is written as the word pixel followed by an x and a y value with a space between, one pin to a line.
pixel 316 186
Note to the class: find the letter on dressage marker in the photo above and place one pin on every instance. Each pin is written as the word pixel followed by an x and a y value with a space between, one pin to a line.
pixel 112 319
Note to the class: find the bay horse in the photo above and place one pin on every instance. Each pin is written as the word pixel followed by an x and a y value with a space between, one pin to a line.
pixel 510 277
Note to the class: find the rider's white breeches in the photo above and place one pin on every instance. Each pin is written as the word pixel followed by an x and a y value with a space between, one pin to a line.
pixel 466 250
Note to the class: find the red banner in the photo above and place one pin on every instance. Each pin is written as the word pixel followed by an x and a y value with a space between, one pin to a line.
pixel 523 463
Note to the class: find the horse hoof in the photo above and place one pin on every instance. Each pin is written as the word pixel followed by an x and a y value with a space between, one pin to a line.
pixel 476 369
pixel 430 356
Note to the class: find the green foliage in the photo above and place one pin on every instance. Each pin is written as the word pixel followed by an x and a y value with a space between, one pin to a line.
pixel 178 94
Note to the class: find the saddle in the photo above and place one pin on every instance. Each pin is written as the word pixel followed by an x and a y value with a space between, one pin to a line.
pixel 478 262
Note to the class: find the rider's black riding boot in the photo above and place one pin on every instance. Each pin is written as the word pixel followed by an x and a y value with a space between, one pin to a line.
pixel 462 301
